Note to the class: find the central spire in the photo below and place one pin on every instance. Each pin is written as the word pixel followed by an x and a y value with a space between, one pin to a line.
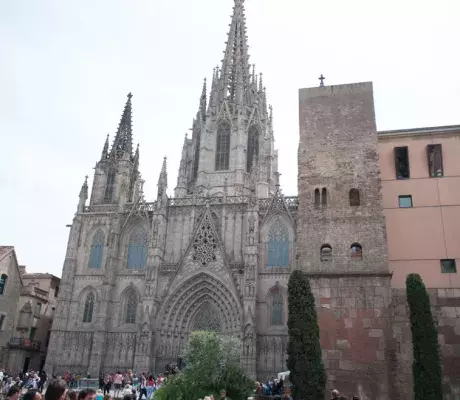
pixel 123 141
pixel 235 65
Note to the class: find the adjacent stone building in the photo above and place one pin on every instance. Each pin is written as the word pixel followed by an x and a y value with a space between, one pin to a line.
pixel 139 276
pixel 10 288
pixel 34 317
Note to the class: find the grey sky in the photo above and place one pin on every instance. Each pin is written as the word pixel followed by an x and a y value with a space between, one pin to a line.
pixel 66 67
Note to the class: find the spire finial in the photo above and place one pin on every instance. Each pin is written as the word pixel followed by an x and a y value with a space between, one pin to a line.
pixel 105 149
pixel 123 141
pixel 84 189
pixel 203 102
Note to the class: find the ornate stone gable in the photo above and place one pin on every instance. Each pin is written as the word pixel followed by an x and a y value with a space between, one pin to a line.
pixel 277 205
pixel 205 243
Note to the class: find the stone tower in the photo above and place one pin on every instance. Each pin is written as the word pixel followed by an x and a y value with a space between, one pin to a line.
pixel 341 240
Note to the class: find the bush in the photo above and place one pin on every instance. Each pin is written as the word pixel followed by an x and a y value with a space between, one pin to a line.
pixel 213 363
pixel 426 365
pixel 305 361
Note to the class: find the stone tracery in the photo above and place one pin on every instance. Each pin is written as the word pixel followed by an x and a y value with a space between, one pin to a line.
pixel 205 243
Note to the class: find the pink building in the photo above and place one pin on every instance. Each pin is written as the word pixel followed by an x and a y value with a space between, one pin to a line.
pixel 420 171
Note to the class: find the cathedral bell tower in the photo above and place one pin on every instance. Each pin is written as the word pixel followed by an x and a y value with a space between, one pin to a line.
pixel 117 176
pixel 232 135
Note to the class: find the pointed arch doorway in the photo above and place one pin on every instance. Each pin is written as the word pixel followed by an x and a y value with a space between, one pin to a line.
pixel 200 303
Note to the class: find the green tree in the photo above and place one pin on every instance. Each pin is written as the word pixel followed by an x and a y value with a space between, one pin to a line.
pixel 305 361
pixel 212 364
pixel 426 365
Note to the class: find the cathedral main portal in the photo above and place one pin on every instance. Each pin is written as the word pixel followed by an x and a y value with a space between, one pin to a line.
pixel 202 302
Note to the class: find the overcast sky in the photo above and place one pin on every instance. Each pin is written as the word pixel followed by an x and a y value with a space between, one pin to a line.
pixel 66 67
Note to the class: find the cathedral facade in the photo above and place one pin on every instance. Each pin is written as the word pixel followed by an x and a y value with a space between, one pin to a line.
pixel 139 276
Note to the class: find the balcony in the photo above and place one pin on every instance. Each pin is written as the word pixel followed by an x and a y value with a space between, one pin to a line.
pixel 26 344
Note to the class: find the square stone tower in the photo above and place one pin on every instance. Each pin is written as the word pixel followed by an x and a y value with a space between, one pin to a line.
pixel 341 239
pixel 341 223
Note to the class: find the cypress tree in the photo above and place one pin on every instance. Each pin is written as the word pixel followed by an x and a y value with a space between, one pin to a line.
pixel 305 361
pixel 426 365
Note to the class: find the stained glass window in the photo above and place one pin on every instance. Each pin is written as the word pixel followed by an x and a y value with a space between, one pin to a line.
pixel 110 186
pixel 277 308
pixel 137 248
pixel 89 308
pixel 253 146
pixel 131 308
pixel 97 248
pixel 206 319
pixel 278 244
pixel 223 146
pixel 3 280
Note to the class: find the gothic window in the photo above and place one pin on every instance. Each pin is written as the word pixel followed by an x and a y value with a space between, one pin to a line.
pixel 326 252
pixel 110 186
pixel 354 197
pixel 205 243
pixel 89 308
pixel 317 198
pixel 402 162
pixel 277 308
pixel 434 154
pixel 206 319
pixel 324 197
pixel 3 280
pixel 278 244
pixel 131 308
pixel 223 146
pixel 253 146
pixel 137 248
pixel 356 251
pixel 97 248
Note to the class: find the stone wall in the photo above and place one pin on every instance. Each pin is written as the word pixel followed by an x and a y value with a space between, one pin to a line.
pixel 446 311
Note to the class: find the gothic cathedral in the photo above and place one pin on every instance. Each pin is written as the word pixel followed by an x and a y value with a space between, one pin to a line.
pixel 139 276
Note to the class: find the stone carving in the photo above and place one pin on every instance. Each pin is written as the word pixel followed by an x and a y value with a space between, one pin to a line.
pixel 205 243
pixel 250 289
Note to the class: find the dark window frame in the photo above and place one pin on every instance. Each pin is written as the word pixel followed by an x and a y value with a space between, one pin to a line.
pixel 405 196
pixel 431 151
pixel 401 153
pixel 452 266
pixel 354 197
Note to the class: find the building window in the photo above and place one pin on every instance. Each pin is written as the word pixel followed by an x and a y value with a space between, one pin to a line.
pixel 434 155
pixel 56 291
pixel 354 197
pixel 131 309
pixel 89 308
pixel 38 310
pixel 110 186
pixel 32 333
pixel 356 251
pixel 402 162
pixel 97 248
pixel 326 252
pixel 448 266
pixel 137 248
pixel 277 308
pixel 405 201
pixel 223 146
pixel 3 280
pixel 324 197
pixel 253 146
pixel 278 244
pixel 317 198
pixel 2 320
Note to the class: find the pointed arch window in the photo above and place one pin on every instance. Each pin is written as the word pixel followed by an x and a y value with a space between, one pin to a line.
pixel 324 197
pixel 89 308
pixel 223 146
pixel 317 198
pixel 131 308
pixel 207 319
pixel 253 146
pixel 97 249
pixel 137 248
pixel 277 308
pixel 3 280
pixel 109 188
pixel 278 244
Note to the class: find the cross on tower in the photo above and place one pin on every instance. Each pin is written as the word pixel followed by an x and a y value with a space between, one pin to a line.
pixel 321 78
pixel 130 95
